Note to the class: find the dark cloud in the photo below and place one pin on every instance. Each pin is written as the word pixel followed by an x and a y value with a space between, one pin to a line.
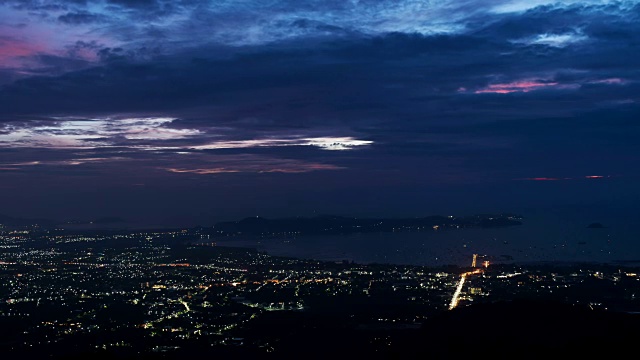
pixel 135 3
pixel 38 5
pixel 80 17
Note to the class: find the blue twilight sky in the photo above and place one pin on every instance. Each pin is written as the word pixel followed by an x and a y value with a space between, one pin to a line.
pixel 183 112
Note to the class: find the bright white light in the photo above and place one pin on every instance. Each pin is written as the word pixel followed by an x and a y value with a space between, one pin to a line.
pixel 337 143
pixel 325 143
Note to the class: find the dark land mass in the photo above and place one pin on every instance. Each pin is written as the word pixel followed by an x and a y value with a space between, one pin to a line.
pixel 501 330
pixel 529 328
pixel 102 220
pixel 596 226
pixel 328 224
pixel 9 221
pixel 34 223
pixel 258 226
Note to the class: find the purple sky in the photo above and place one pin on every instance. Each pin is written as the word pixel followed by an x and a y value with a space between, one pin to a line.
pixel 183 112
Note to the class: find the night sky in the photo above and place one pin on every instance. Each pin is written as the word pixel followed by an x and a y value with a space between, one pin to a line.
pixel 186 112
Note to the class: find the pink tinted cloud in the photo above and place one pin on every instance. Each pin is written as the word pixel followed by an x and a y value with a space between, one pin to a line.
pixel 204 164
pixel 531 85
pixel 542 179
pixel 19 47
pixel 11 49
pixel 589 177
pixel 293 168
pixel 516 86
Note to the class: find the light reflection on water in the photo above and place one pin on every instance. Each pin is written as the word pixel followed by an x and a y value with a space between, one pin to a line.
pixel 547 239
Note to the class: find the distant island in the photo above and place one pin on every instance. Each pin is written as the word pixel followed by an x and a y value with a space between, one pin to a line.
pixel 595 225
pixel 331 224
pixel 102 220
pixel 9 221
pixel 292 226
pixel 41 223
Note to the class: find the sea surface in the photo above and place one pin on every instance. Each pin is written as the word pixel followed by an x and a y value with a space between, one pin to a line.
pixel 543 237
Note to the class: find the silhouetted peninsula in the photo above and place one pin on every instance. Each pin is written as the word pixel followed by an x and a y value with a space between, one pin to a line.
pixel 330 224
pixel 10 221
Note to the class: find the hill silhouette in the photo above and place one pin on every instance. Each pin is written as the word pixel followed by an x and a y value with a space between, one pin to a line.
pixel 500 330
pixel 343 225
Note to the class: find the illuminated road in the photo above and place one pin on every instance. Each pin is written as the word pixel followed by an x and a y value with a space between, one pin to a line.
pixel 456 295
pixel 175 314
pixel 186 306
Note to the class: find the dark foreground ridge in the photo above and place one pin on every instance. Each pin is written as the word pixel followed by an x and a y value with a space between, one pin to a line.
pixel 531 328
pixel 502 330
pixel 330 224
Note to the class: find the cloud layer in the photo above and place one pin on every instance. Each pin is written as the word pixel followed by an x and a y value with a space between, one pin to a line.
pixel 412 94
